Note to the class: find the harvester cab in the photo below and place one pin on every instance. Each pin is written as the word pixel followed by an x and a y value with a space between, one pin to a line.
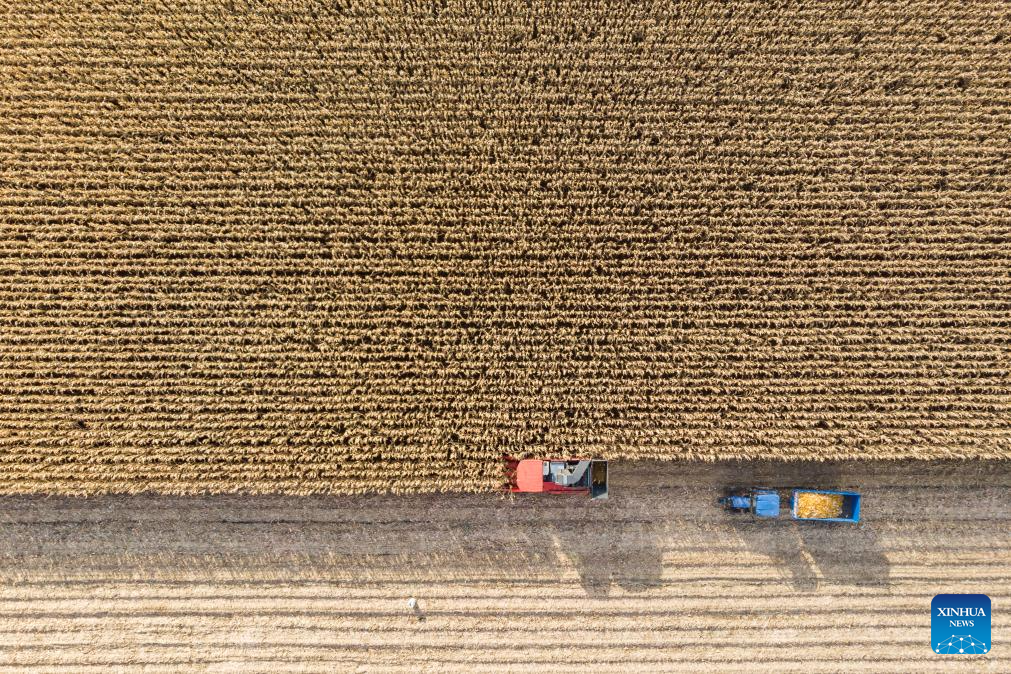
pixel 568 476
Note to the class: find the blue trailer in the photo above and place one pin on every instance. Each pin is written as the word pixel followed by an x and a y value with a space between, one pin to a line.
pixel 764 503
pixel 849 507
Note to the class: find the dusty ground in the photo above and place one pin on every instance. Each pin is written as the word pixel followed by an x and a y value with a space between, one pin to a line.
pixel 655 579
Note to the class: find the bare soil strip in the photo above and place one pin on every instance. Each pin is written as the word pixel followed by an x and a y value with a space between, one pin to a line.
pixel 656 579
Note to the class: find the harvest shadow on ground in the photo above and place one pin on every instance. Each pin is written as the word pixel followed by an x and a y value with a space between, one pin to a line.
pixel 450 539
pixel 419 541
pixel 808 553
pixel 606 553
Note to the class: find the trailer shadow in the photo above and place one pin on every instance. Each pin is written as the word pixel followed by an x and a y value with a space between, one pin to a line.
pixel 846 555
pixel 809 554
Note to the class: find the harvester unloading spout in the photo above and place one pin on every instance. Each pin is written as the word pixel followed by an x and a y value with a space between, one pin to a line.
pixel 569 475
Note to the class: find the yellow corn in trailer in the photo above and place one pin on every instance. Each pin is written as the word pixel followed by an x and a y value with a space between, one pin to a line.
pixel 819 506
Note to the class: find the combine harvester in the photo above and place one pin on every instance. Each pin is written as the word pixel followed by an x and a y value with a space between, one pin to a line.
pixel 812 505
pixel 558 476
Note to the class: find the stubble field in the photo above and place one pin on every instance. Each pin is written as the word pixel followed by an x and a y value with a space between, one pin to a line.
pixel 326 246
pixel 657 579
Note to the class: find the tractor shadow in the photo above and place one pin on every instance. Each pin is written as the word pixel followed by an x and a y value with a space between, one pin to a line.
pixel 809 555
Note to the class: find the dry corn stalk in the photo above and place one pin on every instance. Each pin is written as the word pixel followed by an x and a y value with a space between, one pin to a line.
pixel 819 505
pixel 326 246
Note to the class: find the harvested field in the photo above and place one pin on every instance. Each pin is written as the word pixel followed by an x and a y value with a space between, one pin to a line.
pixel 342 246
pixel 656 579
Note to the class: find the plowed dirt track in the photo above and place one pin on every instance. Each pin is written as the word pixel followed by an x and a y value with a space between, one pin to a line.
pixel 343 246
pixel 656 579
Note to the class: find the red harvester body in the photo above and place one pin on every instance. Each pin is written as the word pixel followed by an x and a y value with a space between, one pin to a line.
pixel 558 476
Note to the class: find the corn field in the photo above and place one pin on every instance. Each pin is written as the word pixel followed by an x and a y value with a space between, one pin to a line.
pixel 354 246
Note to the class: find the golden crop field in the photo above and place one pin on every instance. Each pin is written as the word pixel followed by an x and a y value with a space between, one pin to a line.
pixel 344 246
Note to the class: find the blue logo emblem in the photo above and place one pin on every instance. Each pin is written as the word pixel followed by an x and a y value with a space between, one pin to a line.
pixel 960 624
